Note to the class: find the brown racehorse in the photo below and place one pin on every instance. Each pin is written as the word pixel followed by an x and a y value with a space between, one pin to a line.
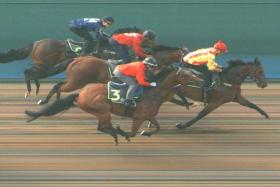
pixel 230 91
pixel 45 54
pixel 84 70
pixel 50 57
pixel 94 100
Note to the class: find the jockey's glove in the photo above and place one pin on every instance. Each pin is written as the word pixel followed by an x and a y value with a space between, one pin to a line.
pixel 153 84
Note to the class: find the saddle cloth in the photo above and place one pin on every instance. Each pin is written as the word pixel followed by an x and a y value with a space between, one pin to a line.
pixel 117 92
pixel 73 48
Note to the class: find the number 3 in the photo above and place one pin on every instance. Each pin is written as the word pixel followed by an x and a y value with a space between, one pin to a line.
pixel 116 94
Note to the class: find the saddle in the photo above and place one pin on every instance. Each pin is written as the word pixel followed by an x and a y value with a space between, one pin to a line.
pixel 73 48
pixel 216 80
pixel 117 91
pixel 113 64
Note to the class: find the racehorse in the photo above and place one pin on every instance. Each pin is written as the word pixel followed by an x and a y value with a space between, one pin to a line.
pixel 229 91
pixel 50 56
pixel 94 100
pixel 45 54
pixel 84 70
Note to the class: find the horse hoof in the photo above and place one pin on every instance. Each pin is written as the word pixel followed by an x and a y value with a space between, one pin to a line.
pixel 116 143
pixel 144 133
pixel 127 139
pixel 26 94
pixel 179 126
pixel 150 125
pixel 41 102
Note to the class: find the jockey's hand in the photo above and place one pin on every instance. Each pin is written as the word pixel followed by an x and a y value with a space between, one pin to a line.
pixel 104 34
pixel 139 58
pixel 153 84
pixel 148 51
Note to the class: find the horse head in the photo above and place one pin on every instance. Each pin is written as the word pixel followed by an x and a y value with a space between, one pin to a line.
pixel 238 70
pixel 167 55
pixel 257 73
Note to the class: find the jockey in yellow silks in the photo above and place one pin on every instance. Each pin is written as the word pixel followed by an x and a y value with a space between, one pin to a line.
pixel 203 60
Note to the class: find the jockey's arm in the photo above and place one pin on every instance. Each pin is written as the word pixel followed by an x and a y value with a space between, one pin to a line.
pixel 101 34
pixel 212 65
pixel 138 50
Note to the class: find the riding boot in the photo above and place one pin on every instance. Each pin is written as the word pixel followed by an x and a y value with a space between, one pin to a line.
pixel 215 80
pixel 207 86
pixel 206 95
pixel 87 49
pixel 129 105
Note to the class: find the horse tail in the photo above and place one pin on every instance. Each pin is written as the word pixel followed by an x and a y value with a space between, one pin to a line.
pixel 16 54
pixel 54 108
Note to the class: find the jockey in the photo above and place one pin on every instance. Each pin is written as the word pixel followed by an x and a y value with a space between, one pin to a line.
pixel 133 74
pixel 122 41
pixel 83 26
pixel 203 60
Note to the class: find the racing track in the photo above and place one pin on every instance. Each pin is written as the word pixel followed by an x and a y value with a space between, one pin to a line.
pixel 234 146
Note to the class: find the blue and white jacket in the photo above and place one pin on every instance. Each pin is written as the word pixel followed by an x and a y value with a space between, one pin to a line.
pixel 90 24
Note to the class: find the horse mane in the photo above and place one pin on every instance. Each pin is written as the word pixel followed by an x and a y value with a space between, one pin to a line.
pixel 128 30
pixel 159 76
pixel 164 47
pixel 234 63
pixel 165 71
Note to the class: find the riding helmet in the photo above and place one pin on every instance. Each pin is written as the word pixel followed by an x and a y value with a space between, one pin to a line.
pixel 220 45
pixel 108 19
pixel 149 34
pixel 150 61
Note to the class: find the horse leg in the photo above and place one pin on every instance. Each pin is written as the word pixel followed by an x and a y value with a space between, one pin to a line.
pixel 122 133
pixel 150 133
pixel 207 109
pixel 55 89
pixel 28 82
pixel 112 131
pixel 104 125
pixel 35 74
pixel 244 102
pixel 58 94
pixel 37 83
pixel 135 126
pixel 68 86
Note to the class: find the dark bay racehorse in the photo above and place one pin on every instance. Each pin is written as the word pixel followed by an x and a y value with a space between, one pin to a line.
pixel 232 77
pixel 50 57
pixel 84 70
pixel 94 100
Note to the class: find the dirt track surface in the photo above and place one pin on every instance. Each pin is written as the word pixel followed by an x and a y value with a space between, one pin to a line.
pixel 233 146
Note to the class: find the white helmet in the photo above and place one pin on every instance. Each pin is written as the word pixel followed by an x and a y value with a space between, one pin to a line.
pixel 150 61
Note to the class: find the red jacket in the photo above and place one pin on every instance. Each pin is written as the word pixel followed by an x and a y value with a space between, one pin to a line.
pixel 134 69
pixel 133 40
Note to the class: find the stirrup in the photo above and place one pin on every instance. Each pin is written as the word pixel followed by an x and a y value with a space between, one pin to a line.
pixel 129 103
pixel 115 62
pixel 205 95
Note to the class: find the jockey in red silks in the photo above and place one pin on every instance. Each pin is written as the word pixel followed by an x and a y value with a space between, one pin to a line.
pixel 121 42
pixel 133 74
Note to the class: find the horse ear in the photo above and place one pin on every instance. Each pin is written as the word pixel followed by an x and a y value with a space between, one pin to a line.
pixel 257 61
pixel 184 50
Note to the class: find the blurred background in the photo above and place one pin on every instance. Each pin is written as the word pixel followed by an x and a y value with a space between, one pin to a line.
pixel 249 27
